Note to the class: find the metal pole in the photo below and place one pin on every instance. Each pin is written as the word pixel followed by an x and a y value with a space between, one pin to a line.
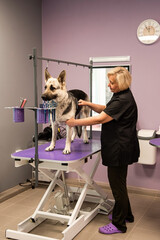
pixel 62 61
pixel 35 58
pixel 36 125
pixel 91 68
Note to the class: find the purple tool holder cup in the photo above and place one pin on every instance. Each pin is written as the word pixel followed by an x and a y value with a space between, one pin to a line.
pixel 18 114
pixel 42 115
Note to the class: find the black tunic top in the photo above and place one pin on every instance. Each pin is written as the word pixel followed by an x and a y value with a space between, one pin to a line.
pixel 119 141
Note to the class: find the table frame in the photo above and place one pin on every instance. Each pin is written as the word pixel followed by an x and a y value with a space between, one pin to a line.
pixel 77 219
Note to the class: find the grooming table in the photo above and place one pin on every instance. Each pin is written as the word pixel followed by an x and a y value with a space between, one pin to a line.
pixel 155 142
pixel 76 219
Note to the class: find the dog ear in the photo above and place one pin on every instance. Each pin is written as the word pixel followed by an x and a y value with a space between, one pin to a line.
pixel 47 74
pixel 62 79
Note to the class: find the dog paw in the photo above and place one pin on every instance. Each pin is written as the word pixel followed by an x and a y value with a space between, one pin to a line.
pixel 50 148
pixel 86 141
pixel 66 151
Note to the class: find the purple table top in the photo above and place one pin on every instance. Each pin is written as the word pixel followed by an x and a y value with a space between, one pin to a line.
pixel 79 151
pixel 155 142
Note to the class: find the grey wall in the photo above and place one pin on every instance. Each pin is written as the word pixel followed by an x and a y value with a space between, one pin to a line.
pixel 20 32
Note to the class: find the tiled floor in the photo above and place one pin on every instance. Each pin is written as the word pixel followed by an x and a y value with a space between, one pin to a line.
pixel 146 210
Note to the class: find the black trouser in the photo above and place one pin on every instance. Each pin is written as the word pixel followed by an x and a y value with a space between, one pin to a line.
pixel 122 209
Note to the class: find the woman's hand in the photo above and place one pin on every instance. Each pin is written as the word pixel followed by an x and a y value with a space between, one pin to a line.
pixel 82 103
pixel 71 122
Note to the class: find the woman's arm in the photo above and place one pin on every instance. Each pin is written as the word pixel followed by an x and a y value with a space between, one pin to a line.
pixel 101 118
pixel 95 107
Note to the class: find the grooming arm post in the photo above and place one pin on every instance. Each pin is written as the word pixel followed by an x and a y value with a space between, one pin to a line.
pixel 35 112
pixel 90 90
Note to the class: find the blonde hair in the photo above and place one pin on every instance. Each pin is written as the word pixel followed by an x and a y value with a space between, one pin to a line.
pixel 122 77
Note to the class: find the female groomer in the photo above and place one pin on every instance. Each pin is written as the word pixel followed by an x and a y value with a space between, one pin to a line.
pixel 119 143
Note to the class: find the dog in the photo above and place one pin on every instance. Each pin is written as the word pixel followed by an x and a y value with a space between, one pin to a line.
pixel 67 107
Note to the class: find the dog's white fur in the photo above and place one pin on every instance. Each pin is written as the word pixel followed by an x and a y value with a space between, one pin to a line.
pixel 55 89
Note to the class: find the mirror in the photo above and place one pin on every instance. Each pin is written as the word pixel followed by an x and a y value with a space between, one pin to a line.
pixel 101 93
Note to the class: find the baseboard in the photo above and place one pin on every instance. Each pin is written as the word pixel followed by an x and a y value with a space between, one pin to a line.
pixel 11 192
pixel 77 183
pixel 105 186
